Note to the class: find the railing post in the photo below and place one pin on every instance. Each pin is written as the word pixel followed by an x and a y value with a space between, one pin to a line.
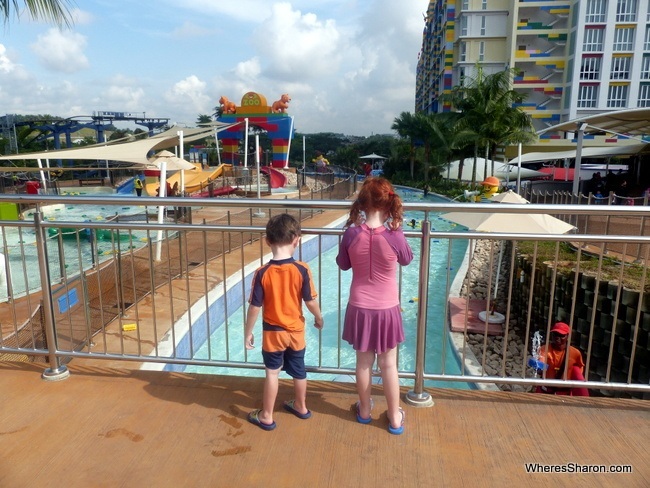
pixel 418 397
pixel 56 371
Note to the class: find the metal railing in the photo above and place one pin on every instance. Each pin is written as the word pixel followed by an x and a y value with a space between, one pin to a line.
pixel 120 302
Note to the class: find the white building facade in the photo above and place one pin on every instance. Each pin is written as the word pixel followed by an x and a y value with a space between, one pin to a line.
pixel 570 58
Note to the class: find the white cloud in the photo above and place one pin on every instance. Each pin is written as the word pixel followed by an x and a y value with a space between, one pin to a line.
pixel 189 30
pixel 61 51
pixel 188 98
pixel 6 65
pixel 348 65
pixel 126 97
pixel 81 17
pixel 297 46
pixel 248 70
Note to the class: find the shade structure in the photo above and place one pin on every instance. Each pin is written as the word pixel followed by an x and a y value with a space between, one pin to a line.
pixel 130 152
pixel 172 161
pixel 502 171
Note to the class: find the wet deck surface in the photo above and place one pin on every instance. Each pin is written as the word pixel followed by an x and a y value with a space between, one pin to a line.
pixel 133 428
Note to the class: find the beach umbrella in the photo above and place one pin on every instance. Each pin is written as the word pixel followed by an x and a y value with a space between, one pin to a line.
pixel 171 161
pixel 508 196
pixel 372 156
pixel 165 160
pixel 528 223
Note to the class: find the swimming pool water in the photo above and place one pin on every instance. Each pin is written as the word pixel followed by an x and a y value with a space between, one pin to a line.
pixel 21 246
pixel 226 343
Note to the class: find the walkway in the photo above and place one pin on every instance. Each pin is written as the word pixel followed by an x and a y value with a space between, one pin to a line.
pixel 116 427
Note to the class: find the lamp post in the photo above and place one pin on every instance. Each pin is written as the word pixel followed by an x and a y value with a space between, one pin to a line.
pixel 582 126
pixel 259 212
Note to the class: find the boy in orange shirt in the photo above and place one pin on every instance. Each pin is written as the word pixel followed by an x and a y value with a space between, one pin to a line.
pixel 278 289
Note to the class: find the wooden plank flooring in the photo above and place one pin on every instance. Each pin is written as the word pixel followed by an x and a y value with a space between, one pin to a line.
pixel 132 428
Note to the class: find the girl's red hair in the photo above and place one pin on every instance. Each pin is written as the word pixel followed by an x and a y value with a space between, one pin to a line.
pixel 377 194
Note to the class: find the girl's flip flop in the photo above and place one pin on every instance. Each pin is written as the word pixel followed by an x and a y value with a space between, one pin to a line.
pixel 399 430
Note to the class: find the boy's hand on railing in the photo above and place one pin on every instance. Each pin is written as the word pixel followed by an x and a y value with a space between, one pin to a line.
pixel 249 341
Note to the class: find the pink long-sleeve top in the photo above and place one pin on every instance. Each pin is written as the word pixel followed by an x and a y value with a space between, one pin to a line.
pixel 373 255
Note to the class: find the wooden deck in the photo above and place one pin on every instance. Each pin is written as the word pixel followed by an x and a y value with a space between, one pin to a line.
pixel 132 428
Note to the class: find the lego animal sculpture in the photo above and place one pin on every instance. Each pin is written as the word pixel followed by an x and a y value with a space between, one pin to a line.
pixel 227 107
pixel 280 106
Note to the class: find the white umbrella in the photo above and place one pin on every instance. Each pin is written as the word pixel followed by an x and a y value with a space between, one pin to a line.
pixel 527 223
pixel 372 156
pixel 166 160
pixel 508 196
pixel 172 162
pixel 510 222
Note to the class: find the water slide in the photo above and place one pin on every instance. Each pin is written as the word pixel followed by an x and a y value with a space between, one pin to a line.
pixel 277 178
pixel 195 180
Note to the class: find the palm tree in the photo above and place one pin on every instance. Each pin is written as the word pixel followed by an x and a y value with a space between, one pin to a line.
pixel 486 103
pixel 56 11
pixel 406 127
pixel 448 138
pixel 203 119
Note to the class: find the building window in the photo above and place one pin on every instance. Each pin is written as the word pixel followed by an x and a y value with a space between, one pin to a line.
pixel 461 77
pixel 644 95
pixel 645 67
pixel 465 5
pixel 646 41
pixel 481 51
pixel 623 39
pixel 462 52
pixel 626 11
pixel 587 96
pixel 620 68
pixel 482 25
pixel 590 68
pixel 617 96
pixel 596 11
pixel 463 25
pixel 483 4
pixel 593 40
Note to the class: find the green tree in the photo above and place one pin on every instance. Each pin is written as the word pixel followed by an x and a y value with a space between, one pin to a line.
pixel 203 119
pixel 408 126
pixel 487 104
pixel 347 156
pixel 56 11
pixel 448 140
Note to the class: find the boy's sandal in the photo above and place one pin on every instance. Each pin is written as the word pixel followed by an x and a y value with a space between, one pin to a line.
pixel 254 418
pixel 291 408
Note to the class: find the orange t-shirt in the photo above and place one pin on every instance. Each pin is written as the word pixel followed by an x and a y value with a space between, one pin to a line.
pixel 279 287
pixel 555 361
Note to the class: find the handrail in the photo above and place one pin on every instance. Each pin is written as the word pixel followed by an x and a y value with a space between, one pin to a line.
pixel 236 237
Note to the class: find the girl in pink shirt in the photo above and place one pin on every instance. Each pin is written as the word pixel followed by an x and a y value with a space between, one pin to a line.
pixel 372 245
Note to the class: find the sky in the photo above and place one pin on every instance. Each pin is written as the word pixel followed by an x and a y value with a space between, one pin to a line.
pixel 348 65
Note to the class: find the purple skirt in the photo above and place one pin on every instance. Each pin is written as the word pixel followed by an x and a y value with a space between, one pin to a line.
pixel 373 330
